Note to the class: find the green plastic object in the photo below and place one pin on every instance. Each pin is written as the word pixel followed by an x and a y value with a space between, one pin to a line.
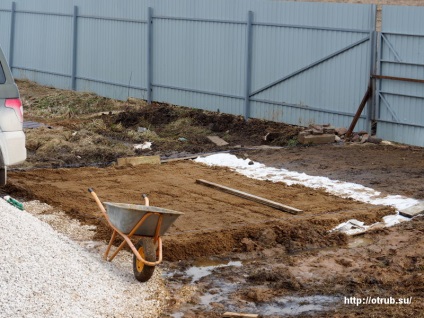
pixel 14 202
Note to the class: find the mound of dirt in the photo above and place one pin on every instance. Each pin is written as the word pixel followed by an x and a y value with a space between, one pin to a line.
pixel 281 254
pixel 214 222
pixel 76 124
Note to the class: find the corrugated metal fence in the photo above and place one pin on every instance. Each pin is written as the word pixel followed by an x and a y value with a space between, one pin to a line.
pixel 293 62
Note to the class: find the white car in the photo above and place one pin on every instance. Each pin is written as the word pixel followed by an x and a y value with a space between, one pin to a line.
pixel 12 137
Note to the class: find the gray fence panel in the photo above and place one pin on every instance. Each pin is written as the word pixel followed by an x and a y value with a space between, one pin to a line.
pixel 274 54
pixel 210 61
pixel 5 21
pixel 51 35
pixel 112 53
pixel 204 54
pixel 400 112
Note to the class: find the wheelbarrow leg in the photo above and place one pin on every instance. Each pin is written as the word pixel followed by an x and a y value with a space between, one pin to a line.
pixel 112 239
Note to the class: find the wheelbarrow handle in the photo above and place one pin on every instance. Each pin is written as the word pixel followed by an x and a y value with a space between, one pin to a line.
pixel 146 199
pixel 102 208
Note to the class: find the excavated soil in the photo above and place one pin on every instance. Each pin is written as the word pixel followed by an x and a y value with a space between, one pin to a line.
pixel 213 222
pixel 279 254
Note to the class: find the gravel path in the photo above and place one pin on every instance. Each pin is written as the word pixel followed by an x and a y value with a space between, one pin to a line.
pixel 45 274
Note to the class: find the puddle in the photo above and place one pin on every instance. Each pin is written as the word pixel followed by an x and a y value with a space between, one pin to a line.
pixel 208 298
pixel 204 268
pixel 359 242
pixel 223 291
pixel 297 305
pixel 289 305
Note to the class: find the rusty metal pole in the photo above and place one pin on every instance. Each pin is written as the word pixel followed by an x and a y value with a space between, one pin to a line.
pixel 367 96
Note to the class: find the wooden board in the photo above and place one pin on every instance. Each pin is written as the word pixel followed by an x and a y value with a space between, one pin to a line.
pixel 178 159
pixel 251 197
pixel 234 314
pixel 413 210
pixel 189 157
pixel 217 140
pixel 134 161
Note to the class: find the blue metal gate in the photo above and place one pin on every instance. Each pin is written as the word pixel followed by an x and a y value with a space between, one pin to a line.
pixel 400 79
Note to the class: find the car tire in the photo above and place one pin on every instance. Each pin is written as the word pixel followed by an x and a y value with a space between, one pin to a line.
pixel 3 172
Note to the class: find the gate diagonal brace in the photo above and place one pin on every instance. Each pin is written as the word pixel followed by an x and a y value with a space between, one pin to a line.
pixel 312 65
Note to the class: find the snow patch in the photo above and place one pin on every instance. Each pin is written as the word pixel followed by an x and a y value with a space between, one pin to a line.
pixel 343 189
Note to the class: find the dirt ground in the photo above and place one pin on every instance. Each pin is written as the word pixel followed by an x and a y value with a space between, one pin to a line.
pixel 283 262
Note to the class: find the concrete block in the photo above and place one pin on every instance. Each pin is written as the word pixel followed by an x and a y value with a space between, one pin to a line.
pixel 413 210
pixel 134 161
pixel 217 140
pixel 316 139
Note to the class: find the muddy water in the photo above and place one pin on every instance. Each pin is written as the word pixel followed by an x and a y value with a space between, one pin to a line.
pixel 205 268
pixel 219 287
pixel 359 242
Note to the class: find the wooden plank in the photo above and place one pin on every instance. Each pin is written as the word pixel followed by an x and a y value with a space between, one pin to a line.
pixel 234 314
pixel 217 140
pixel 178 159
pixel 194 156
pixel 251 197
pixel 134 161
pixel 413 210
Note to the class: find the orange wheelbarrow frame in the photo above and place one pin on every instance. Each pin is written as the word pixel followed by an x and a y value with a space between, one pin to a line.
pixel 127 237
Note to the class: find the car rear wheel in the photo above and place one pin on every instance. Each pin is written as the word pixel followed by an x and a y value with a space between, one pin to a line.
pixel 3 172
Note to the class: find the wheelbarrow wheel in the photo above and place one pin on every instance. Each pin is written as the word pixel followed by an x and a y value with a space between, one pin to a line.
pixel 147 250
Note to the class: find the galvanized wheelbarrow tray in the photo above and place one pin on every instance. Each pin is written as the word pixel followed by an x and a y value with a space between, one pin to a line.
pixel 147 221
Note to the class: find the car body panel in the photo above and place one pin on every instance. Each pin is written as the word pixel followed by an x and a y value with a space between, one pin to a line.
pixel 12 137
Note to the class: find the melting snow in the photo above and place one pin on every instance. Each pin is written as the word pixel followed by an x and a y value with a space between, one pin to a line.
pixel 343 189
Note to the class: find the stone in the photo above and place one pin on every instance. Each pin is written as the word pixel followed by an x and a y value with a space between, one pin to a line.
pixel 305 133
pixel 387 143
pixel 364 138
pixel 316 127
pixel 317 132
pixel 375 140
pixel 341 131
pixel 356 138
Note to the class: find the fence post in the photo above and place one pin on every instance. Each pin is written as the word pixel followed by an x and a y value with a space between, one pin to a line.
pixel 371 102
pixel 12 34
pixel 248 69
pixel 74 48
pixel 149 53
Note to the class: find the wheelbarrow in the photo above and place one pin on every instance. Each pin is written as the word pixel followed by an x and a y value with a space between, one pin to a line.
pixel 145 221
